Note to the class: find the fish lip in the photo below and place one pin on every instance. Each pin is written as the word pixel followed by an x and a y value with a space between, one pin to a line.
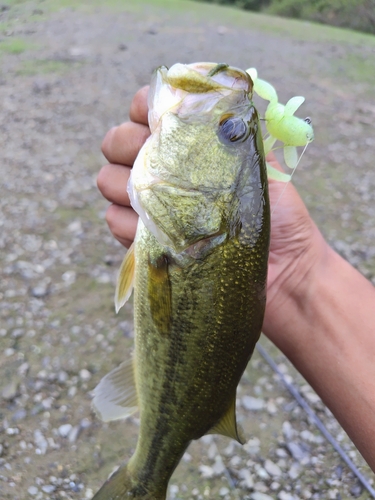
pixel 208 76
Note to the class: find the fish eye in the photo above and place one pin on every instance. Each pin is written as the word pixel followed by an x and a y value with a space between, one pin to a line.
pixel 233 129
pixel 308 120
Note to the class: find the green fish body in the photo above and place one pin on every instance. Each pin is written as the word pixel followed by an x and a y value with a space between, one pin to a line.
pixel 199 269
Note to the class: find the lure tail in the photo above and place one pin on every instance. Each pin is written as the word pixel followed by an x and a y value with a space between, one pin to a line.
pixel 122 486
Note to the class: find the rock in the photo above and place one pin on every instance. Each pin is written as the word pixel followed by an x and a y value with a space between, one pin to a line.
pixel 223 491
pixel 18 333
pixel 288 431
pixel 64 430
pixel 84 375
pixel 48 488
pixel 272 468
pixel 206 471
pixel 271 407
pixel 297 452
pixel 246 479
pixel 41 290
pixel 85 423
pixel 173 490
pixel 283 495
pixel 40 442
pixel 257 495
pixel 33 490
pixel 262 473
pixel 73 434
pixel 10 391
pixel 252 446
pixel 356 490
pixel 294 471
pixel 19 415
pixel 253 404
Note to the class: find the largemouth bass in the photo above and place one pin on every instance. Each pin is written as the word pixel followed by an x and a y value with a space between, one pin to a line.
pixel 199 267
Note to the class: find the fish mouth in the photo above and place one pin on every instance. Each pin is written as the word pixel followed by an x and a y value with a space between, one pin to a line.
pixel 187 88
pixel 206 77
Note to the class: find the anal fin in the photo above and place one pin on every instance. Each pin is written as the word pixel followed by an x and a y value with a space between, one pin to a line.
pixel 115 396
pixel 228 426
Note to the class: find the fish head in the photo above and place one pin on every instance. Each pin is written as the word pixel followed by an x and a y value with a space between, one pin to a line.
pixel 205 140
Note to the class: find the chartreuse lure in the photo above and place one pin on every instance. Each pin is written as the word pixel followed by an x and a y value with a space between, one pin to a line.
pixel 282 125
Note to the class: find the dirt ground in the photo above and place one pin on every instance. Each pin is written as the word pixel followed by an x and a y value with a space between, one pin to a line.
pixel 68 72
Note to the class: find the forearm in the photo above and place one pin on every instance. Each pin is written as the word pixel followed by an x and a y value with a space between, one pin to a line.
pixel 326 327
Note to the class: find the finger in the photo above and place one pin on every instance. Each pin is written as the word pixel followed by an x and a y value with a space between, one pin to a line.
pixel 122 222
pixel 112 182
pixel 139 108
pixel 122 144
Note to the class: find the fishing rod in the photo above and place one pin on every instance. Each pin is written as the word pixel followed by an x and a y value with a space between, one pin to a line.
pixel 316 420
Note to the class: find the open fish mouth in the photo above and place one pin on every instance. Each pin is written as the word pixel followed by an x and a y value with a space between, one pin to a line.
pixel 184 88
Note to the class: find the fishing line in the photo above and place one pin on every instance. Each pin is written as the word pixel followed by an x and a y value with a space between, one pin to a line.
pixel 316 420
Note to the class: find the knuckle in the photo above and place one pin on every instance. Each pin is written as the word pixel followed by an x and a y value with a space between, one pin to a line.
pixel 110 217
pixel 102 180
pixel 107 141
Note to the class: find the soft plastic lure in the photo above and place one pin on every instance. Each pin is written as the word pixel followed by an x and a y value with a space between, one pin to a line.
pixel 282 125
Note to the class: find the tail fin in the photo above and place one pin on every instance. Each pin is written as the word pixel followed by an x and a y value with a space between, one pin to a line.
pixel 121 486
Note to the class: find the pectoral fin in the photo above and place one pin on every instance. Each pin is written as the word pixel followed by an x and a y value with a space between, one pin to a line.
pixel 115 396
pixel 159 294
pixel 125 279
pixel 228 426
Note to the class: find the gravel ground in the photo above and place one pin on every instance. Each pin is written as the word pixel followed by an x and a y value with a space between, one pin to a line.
pixel 68 72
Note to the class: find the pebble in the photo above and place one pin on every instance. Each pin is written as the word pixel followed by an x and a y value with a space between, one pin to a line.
pixel 294 471
pixel 64 430
pixel 40 442
pixel 48 488
pixel 252 446
pixel 246 479
pixel 173 490
pixel 73 434
pixel 284 495
pixel 33 490
pixel 257 495
pixel 252 404
pixel 272 468
pixel 223 491
pixel 40 290
pixel 271 407
pixel 288 431
pixel 262 473
pixel 297 452
pixel 206 471
pixel 84 375
pixel 10 391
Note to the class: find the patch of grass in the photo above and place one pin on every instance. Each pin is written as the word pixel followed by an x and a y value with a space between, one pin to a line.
pixel 13 46
pixel 45 66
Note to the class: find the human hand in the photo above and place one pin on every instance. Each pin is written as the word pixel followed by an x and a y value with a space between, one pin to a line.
pixel 121 146
pixel 296 244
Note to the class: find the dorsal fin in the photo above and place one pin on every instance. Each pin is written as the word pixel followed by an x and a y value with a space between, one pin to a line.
pixel 228 426
pixel 116 396
pixel 125 280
